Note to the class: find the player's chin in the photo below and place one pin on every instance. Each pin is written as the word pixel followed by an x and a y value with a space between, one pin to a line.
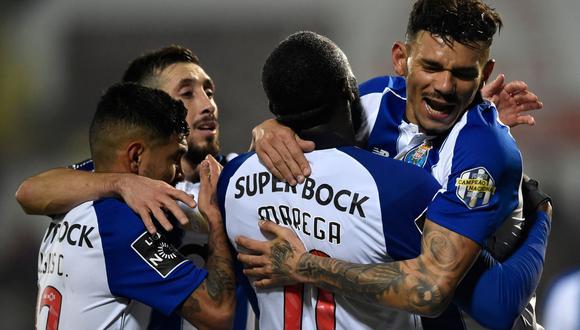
pixel 208 146
pixel 435 127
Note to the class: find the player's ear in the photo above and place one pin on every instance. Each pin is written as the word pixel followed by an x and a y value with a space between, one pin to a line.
pixel 399 53
pixel 488 69
pixel 134 155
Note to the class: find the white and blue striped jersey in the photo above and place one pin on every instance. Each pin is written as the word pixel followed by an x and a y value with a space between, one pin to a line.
pixel 356 206
pixel 98 265
pixel 477 162
pixel 193 244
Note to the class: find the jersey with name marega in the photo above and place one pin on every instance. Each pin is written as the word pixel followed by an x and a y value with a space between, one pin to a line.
pixel 97 261
pixel 477 162
pixel 356 206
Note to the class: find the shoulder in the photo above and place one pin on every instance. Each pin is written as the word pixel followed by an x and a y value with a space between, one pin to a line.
pixel 113 207
pixel 117 220
pixel 385 168
pixel 382 84
pixel 481 136
pixel 234 164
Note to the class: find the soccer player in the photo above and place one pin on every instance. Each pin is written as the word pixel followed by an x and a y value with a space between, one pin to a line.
pixel 374 222
pixel 178 72
pixel 98 260
pixel 424 119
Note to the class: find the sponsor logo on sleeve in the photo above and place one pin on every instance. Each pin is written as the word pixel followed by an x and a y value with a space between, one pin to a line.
pixel 380 152
pixel 157 253
pixel 475 187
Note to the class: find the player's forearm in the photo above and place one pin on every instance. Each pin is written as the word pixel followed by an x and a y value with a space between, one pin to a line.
pixel 212 305
pixel 407 285
pixel 60 190
pixel 423 285
pixel 220 282
pixel 221 278
pixel 494 293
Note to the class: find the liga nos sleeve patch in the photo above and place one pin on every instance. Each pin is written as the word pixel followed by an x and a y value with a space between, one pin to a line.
pixel 157 253
pixel 475 187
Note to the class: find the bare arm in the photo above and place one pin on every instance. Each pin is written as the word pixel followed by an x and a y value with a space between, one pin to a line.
pixel 282 151
pixel 59 190
pixel 424 285
pixel 513 100
pixel 211 305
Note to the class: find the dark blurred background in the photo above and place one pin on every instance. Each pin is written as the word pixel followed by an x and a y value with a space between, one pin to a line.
pixel 56 58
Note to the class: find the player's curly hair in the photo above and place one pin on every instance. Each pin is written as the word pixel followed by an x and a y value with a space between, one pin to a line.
pixel 304 77
pixel 469 22
pixel 144 69
pixel 129 108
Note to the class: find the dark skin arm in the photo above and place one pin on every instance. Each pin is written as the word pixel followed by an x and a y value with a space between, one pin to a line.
pixel 212 304
pixel 424 285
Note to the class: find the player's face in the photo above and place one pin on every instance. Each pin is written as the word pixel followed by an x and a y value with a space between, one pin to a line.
pixel 442 81
pixel 189 83
pixel 162 161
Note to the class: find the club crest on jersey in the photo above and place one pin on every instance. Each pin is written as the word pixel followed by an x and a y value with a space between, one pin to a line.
pixel 157 253
pixel 475 187
pixel 418 155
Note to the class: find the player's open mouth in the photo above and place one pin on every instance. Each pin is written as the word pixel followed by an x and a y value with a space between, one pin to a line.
pixel 436 109
pixel 208 126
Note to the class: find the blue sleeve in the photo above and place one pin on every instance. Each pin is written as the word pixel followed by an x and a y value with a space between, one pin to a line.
pixel 378 85
pixel 494 293
pixel 141 266
pixel 482 188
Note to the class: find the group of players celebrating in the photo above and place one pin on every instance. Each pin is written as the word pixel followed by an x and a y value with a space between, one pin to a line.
pixel 435 224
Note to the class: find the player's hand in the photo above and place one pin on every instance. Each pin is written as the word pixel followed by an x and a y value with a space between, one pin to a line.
pixel 149 197
pixel 209 173
pixel 281 151
pixel 513 101
pixel 535 199
pixel 272 263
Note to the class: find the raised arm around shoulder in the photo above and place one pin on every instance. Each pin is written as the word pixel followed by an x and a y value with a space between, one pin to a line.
pixel 211 305
pixel 59 190
pixel 494 293
pixel 424 285
pixel 281 151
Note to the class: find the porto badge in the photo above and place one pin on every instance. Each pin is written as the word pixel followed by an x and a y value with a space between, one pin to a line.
pixel 418 155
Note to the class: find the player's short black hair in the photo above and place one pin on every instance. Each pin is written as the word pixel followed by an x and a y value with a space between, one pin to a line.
pixel 304 77
pixel 468 22
pixel 128 107
pixel 144 69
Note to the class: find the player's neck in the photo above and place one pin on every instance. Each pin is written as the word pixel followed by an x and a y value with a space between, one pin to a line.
pixel 190 170
pixel 336 132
